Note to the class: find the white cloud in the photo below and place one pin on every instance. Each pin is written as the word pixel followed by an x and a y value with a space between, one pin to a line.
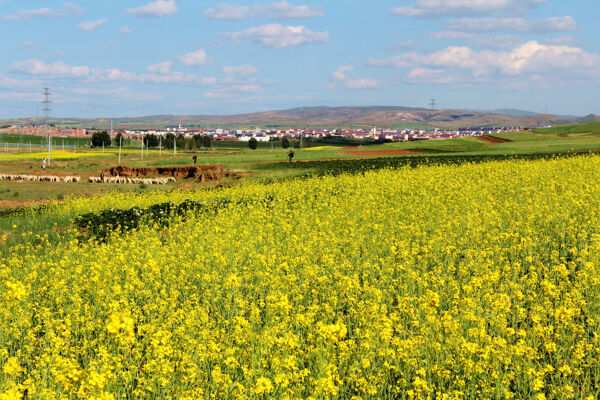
pixel 25 15
pixel 408 44
pixel 244 70
pixel 562 40
pixel 160 8
pixel 480 40
pixel 438 77
pixel 124 30
pixel 73 8
pixel 157 73
pixel 442 8
pixel 340 73
pixel 171 77
pixel 161 68
pixel 60 69
pixel 7 82
pixel 361 83
pixel 20 96
pixel 232 91
pixel 115 74
pixel 278 36
pixel 195 59
pixel 28 43
pixel 248 88
pixel 455 64
pixel 208 81
pixel 116 92
pixel 90 26
pixel 167 77
pixel 275 11
pixel 218 95
pixel 546 25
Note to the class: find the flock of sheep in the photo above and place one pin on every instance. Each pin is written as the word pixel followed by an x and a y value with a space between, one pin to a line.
pixel 91 179
pixel 139 181
pixel 39 178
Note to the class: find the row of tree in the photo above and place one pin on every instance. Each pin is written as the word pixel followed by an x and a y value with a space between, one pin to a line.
pixel 193 143
pixel 102 138
pixel 253 143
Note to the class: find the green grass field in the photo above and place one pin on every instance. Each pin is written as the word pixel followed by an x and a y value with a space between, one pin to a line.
pixel 268 161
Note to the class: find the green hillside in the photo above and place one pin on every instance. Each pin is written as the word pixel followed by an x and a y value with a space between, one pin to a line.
pixel 590 129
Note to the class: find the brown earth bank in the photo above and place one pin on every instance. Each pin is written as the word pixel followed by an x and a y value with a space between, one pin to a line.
pixel 199 173
pixel 492 139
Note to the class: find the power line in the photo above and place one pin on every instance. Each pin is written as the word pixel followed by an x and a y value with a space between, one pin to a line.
pixel 47 110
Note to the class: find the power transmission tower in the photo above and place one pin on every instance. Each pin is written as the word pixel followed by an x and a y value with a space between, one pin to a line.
pixel 432 104
pixel 47 108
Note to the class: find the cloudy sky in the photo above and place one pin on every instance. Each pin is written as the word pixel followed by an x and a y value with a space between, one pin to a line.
pixel 130 58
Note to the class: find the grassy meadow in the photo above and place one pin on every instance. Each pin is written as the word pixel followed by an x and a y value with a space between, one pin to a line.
pixel 268 161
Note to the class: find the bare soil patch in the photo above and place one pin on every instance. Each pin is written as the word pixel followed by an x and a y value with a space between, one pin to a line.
pixel 492 139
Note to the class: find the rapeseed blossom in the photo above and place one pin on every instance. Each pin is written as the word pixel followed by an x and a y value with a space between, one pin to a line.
pixel 478 281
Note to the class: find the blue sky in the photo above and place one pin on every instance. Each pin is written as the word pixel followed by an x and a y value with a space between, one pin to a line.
pixel 106 58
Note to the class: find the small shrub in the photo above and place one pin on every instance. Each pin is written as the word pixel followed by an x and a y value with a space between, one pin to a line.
pixel 253 143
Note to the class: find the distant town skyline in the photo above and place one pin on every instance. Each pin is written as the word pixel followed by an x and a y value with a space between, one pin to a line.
pixel 102 58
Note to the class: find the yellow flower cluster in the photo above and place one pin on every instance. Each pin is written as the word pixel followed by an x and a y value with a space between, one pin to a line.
pixel 479 281
pixel 56 155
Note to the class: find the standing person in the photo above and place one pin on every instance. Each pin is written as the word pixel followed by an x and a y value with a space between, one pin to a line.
pixel 102 177
pixel 291 155
pixel 43 163
pixel 195 158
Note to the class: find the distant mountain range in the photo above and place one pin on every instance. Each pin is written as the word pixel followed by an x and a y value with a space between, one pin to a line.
pixel 345 117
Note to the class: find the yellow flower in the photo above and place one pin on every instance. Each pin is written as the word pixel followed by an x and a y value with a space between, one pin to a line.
pixel 262 386
pixel 15 290
pixel 12 366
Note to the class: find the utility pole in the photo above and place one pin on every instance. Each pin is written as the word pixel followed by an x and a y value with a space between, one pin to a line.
pixel 120 140
pixel 47 110
pixel 142 148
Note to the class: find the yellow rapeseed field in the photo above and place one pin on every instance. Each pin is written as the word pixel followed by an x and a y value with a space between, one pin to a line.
pixel 55 155
pixel 479 281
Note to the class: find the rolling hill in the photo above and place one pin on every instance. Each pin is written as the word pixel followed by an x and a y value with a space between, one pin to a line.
pixel 382 116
